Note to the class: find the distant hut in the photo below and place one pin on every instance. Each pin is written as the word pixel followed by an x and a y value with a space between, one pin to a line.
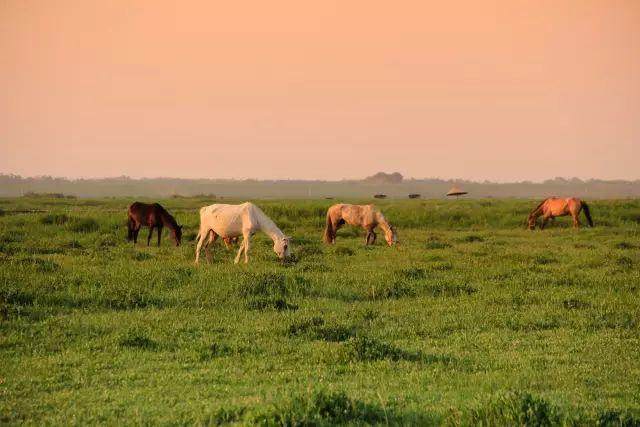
pixel 456 191
pixel 380 196
pixel 414 196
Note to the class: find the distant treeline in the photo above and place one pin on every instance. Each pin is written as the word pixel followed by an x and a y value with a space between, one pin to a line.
pixel 17 186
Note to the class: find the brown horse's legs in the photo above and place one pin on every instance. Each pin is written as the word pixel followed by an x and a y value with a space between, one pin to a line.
pixel 159 233
pixel 150 235
pixel 136 230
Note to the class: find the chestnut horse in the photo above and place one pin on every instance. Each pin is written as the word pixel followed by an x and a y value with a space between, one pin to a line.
pixel 554 207
pixel 365 216
pixel 152 216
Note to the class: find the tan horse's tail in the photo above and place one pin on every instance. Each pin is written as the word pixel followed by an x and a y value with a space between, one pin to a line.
pixel 587 213
pixel 329 232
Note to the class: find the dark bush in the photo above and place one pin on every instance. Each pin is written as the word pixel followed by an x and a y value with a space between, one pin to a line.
pixel 137 338
pixel 448 290
pixel 323 408
pixel 520 409
pixel 363 348
pixel 57 219
pixel 315 328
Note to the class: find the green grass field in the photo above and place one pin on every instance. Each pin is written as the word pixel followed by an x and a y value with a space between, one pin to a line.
pixel 470 320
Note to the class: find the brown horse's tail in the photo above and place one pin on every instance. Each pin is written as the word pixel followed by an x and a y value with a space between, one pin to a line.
pixel 329 232
pixel 587 213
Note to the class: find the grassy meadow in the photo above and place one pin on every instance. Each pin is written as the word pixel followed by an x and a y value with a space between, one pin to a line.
pixel 470 320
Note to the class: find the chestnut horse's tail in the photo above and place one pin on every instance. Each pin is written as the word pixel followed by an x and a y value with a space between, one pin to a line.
pixel 329 232
pixel 587 213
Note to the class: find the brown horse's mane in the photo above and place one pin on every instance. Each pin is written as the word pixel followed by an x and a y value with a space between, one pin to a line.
pixel 166 216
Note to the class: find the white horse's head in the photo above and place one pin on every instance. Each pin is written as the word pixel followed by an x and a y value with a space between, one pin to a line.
pixel 281 247
pixel 391 236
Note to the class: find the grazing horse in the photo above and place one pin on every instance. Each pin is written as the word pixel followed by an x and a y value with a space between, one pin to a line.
pixel 152 216
pixel 365 216
pixel 554 207
pixel 232 221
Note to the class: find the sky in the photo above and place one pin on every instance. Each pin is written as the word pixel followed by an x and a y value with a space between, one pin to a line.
pixel 504 90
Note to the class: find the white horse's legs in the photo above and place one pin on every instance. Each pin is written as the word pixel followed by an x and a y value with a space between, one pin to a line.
pixel 237 260
pixel 207 251
pixel 202 235
pixel 247 243
pixel 244 246
pixel 198 246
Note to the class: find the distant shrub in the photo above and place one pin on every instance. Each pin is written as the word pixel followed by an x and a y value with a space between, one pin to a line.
pixel 520 409
pixel 323 408
pixel 448 290
pixel 266 303
pixel 396 289
pixel 315 328
pixel 57 219
pixel 83 225
pixel 215 350
pixel 137 338
pixel 363 348
pixel 34 195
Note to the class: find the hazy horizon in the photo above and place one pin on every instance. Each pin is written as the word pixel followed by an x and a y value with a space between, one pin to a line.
pixel 476 90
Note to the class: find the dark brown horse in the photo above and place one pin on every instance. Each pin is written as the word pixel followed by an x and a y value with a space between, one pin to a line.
pixel 554 207
pixel 152 216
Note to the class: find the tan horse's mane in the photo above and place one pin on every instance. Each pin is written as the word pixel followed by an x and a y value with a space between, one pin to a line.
pixel 538 207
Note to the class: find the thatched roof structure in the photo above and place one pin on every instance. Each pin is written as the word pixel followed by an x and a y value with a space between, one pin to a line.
pixel 456 191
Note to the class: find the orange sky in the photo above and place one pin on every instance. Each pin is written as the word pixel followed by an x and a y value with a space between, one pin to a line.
pixel 501 90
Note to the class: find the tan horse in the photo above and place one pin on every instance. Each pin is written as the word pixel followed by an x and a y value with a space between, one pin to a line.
pixel 365 216
pixel 554 207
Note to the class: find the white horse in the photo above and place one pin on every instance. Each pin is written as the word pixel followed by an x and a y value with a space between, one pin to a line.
pixel 243 220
